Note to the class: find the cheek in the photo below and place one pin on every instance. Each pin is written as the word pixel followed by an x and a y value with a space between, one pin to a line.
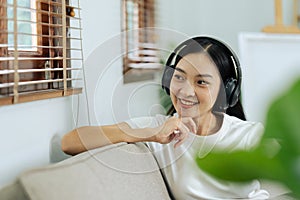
pixel 174 90
pixel 174 87
pixel 173 95
pixel 207 95
pixel 214 93
pixel 203 95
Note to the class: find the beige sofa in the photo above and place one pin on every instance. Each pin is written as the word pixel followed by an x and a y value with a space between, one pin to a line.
pixel 119 171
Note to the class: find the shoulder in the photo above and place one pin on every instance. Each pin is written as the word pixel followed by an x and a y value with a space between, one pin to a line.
pixel 148 121
pixel 248 133
pixel 235 122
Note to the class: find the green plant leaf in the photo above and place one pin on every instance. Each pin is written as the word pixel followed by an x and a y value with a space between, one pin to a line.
pixel 277 157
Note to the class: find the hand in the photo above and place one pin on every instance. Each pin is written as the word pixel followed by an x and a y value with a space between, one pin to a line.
pixel 189 123
pixel 175 128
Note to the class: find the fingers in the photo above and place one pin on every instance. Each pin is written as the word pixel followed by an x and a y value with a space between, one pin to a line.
pixel 189 122
pixel 175 129
pixel 182 134
pixel 180 139
pixel 178 143
pixel 172 136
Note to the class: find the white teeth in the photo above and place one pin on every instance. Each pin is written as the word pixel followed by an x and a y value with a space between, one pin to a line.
pixel 188 103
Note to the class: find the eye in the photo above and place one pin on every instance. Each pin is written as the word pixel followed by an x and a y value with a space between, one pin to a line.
pixel 178 77
pixel 202 83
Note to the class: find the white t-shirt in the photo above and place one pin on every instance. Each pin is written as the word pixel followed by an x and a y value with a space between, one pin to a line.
pixel 185 179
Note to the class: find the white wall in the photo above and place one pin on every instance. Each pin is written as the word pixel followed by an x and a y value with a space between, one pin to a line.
pixel 223 19
pixel 110 101
pixel 271 64
pixel 26 129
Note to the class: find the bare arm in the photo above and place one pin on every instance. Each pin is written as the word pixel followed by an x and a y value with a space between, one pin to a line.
pixel 91 137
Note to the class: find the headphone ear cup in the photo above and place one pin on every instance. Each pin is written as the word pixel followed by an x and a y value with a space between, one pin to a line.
pixel 166 78
pixel 232 95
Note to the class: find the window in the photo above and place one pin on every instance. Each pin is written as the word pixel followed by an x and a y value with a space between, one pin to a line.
pixel 40 49
pixel 141 54
pixel 27 41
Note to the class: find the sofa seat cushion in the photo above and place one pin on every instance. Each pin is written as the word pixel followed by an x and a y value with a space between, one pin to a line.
pixel 118 171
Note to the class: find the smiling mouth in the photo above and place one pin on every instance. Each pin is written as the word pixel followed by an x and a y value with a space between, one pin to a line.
pixel 187 103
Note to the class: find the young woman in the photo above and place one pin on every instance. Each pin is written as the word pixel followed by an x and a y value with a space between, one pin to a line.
pixel 203 78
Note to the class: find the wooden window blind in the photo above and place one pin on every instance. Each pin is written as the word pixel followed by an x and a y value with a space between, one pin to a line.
pixel 40 49
pixel 140 39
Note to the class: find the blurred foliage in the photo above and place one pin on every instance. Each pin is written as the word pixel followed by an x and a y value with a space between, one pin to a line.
pixel 165 100
pixel 277 157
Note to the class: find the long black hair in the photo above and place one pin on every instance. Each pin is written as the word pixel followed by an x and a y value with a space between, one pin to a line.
pixel 228 100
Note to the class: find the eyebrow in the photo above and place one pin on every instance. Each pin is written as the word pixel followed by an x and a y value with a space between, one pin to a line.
pixel 199 75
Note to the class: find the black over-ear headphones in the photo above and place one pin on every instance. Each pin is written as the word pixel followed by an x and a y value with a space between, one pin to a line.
pixel 232 84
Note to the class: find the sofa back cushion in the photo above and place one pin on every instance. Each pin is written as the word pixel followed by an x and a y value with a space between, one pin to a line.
pixel 118 171
pixel 13 191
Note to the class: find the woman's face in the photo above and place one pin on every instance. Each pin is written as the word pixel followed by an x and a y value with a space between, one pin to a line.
pixel 195 85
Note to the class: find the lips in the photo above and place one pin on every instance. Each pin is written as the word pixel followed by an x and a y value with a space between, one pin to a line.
pixel 187 103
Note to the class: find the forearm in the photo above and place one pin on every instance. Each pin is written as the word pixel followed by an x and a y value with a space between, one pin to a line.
pixel 90 137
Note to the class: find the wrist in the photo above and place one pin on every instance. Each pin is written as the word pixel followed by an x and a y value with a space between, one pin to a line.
pixel 140 135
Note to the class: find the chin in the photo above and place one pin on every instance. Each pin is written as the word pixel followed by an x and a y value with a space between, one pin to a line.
pixel 192 114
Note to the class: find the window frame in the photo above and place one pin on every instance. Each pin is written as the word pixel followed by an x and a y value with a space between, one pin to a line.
pixel 41 90
pixel 144 40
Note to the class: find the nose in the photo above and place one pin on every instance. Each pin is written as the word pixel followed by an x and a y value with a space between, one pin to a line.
pixel 187 89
